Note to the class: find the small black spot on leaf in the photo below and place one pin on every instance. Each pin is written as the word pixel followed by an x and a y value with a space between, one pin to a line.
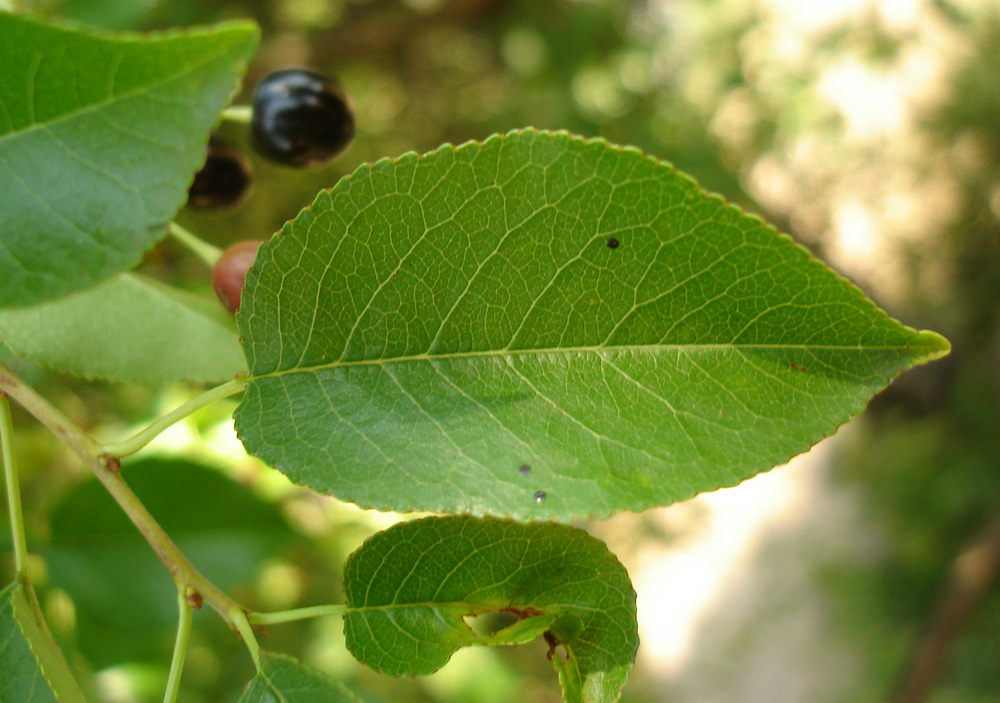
pixel 540 496
pixel 612 243
pixel 525 469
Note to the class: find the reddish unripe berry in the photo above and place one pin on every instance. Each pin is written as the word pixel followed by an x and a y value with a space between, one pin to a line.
pixel 231 269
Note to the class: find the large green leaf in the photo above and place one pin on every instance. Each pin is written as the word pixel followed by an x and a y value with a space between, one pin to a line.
pixel 125 599
pixel 543 326
pixel 100 136
pixel 282 679
pixel 131 328
pixel 409 588
pixel 32 669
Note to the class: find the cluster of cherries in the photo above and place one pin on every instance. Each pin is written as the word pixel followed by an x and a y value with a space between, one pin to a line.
pixel 299 119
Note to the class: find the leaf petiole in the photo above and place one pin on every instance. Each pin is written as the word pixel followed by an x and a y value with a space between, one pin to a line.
pixel 140 439
pixel 238 113
pixel 283 616
pixel 185 612
pixel 13 489
pixel 238 617
pixel 208 253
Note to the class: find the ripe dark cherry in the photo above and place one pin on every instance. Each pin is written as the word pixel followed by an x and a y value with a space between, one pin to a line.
pixel 224 179
pixel 300 118
pixel 231 269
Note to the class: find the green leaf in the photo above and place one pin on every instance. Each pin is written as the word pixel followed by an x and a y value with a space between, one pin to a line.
pixel 131 328
pixel 100 137
pixel 282 679
pixel 409 587
pixel 34 670
pixel 124 597
pixel 543 326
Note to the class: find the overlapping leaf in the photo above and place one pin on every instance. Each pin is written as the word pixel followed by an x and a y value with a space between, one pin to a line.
pixel 100 136
pixel 131 328
pixel 410 587
pixel 282 679
pixel 543 326
pixel 32 669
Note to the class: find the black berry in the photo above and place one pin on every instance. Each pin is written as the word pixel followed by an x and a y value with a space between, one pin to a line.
pixel 224 179
pixel 231 269
pixel 300 118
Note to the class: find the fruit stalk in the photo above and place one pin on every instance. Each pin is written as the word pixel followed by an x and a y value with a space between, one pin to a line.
pixel 199 247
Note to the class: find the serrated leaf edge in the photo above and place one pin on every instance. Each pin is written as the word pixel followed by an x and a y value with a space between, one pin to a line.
pixel 936 345
pixel 493 518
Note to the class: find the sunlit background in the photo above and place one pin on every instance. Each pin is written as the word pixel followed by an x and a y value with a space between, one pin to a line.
pixel 865 570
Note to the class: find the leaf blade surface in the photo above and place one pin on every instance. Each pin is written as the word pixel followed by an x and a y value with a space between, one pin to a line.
pixel 433 324
pixel 129 328
pixel 409 587
pixel 282 679
pixel 100 137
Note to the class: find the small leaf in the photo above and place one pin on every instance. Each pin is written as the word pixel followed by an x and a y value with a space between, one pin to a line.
pixel 409 588
pixel 100 137
pixel 282 679
pixel 124 597
pixel 521 632
pixel 130 328
pixel 33 668
pixel 542 326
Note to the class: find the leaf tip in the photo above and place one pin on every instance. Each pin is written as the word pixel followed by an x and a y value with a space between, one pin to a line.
pixel 930 346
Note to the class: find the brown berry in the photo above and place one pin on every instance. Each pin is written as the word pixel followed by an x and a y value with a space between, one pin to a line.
pixel 231 269
pixel 223 181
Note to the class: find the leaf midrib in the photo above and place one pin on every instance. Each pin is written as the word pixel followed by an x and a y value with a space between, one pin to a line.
pixel 912 349
pixel 472 608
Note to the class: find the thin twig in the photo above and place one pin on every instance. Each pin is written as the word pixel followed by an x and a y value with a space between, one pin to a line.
pixel 106 468
pixel 972 574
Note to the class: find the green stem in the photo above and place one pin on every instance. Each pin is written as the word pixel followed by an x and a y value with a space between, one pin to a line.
pixel 297 614
pixel 180 646
pixel 58 424
pixel 105 468
pixel 238 617
pixel 143 437
pixel 13 489
pixel 208 253
pixel 238 113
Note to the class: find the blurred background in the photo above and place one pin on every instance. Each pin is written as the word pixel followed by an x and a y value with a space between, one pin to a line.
pixel 866 570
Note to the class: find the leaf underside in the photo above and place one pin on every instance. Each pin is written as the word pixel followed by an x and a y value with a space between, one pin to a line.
pixel 100 137
pixel 32 669
pixel 546 327
pixel 130 328
pixel 282 679
pixel 409 588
